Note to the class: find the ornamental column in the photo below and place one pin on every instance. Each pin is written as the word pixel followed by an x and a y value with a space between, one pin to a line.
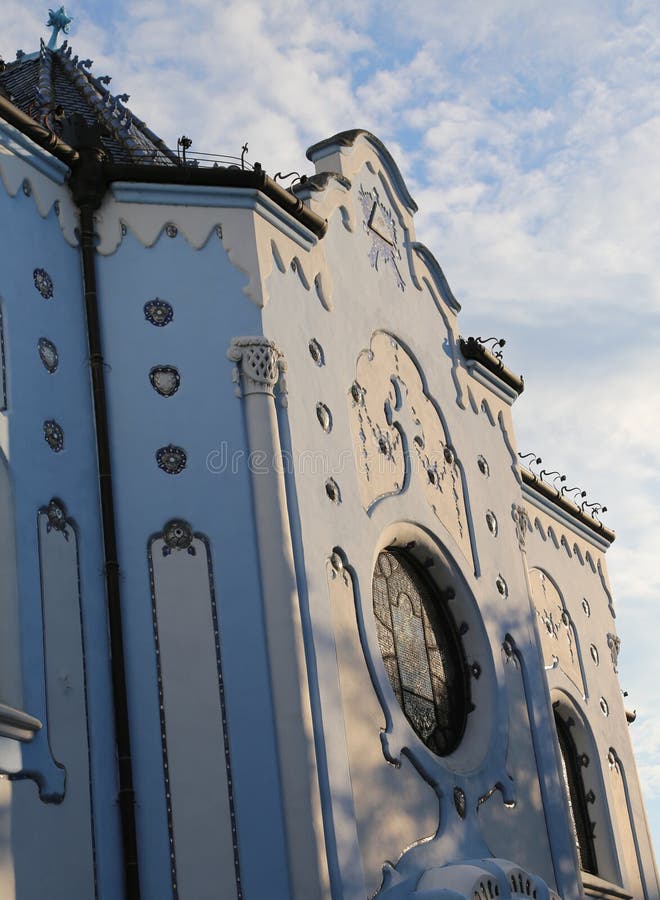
pixel 260 366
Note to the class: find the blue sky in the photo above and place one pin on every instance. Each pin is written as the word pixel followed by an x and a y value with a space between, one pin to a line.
pixel 528 133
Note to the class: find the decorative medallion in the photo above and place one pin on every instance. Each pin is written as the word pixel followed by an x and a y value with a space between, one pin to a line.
pixel 56 207
pixel 171 230
pixel 165 380
pixel 501 585
pixel 332 490
pixel 357 393
pixel 324 416
pixel 594 653
pixel 48 354
pixel 483 466
pixel 218 231
pixel 459 801
pixel 336 561
pixel 586 607
pixel 171 459
pixel 56 518
pixel 491 522
pixel 178 535
pixel 43 283
pixel 53 435
pixel 316 352
pixel 604 707
pixel 158 312
pixel 27 187
pixel 379 223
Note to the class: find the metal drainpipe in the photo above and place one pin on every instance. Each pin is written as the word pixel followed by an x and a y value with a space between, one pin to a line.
pixel 88 187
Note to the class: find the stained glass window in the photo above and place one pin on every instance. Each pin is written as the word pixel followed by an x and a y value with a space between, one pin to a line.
pixel 421 650
pixel 576 797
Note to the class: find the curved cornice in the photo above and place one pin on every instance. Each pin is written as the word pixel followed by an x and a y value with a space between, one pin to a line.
pixel 348 139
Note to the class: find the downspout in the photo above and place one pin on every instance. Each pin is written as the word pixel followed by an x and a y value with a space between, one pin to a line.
pixel 88 187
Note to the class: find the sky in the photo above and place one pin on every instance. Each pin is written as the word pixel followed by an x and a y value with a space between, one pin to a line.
pixel 528 134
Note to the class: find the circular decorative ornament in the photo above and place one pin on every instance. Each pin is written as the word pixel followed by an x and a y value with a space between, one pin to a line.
pixel 124 230
pixel 332 490
pixel 158 312
pixel 53 435
pixel 491 522
pixel 502 588
pixel 56 207
pixel 594 653
pixel 586 607
pixel 483 466
pixel 48 354
pixel 604 708
pixel 218 231
pixel 171 459
pixel 43 283
pixel 178 535
pixel 448 455
pixel 171 230
pixel 27 187
pixel 165 380
pixel 316 352
pixel 324 416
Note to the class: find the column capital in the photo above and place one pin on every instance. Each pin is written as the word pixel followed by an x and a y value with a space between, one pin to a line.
pixel 260 365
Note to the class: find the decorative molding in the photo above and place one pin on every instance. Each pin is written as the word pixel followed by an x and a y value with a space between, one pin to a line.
pixel 614 644
pixel 558 636
pixel 16 724
pixel 260 366
pixel 54 435
pixel 522 522
pixel 388 401
pixel 380 224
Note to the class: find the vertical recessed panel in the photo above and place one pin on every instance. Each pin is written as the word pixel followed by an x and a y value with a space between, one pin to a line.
pixel 195 745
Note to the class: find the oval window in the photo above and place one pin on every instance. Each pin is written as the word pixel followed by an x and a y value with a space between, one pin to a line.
pixel 421 649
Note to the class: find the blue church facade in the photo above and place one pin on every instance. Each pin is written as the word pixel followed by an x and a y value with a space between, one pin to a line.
pixel 283 613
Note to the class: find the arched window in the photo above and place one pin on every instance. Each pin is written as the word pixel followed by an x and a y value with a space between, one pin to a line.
pixel 421 649
pixel 577 802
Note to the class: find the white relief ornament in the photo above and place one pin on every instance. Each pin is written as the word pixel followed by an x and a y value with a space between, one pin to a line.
pixel 614 643
pixel 260 366
pixel 380 224
pixel 523 524
pixel 178 535
pixel 48 354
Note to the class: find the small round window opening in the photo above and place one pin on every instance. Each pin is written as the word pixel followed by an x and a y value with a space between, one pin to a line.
pixel 422 650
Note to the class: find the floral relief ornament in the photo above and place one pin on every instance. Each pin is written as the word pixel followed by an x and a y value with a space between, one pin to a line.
pixel 48 354
pixel 171 459
pixel 380 224
pixel 158 312
pixel 260 365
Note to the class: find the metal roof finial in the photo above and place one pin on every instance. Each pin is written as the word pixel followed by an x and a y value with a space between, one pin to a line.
pixel 58 21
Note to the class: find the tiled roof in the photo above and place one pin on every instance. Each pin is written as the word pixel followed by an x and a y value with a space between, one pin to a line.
pixel 52 86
